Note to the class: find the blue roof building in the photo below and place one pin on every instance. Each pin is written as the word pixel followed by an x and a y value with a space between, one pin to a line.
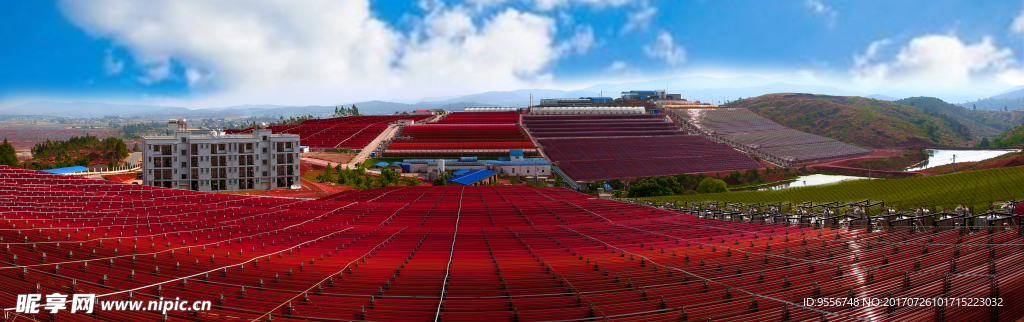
pixel 67 170
pixel 473 177
pixel 460 172
pixel 381 164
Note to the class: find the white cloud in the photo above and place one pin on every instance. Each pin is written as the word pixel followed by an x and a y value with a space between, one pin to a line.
pixel 545 5
pixel 933 59
pixel 195 77
pixel 864 65
pixel 158 69
pixel 112 65
pixel 617 66
pixel 580 43
pixel 322 51
pixel 1018 24
pixel 821 8
pixel 639 19
pixel 665 48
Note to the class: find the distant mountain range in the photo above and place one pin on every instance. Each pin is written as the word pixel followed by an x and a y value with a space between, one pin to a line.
pixel 702 88
pixel 882 97
pixel 94 109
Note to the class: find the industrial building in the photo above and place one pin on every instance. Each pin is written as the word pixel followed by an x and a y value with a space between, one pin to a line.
pixel 587 110
pixel 221 162
pixel 516 165
pixel 491 109
pixel 643 95
pixel 582 101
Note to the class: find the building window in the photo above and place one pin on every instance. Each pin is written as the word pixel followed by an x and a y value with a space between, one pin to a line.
pixel 183 140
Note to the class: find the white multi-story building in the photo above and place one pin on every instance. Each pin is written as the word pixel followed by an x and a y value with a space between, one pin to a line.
pixel 221 162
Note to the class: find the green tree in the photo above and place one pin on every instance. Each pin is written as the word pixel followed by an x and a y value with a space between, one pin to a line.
pixel 355 110
pixel 328 175
pixel 616 184
pixel 441 180
pixel 558 181
pixel 8 156
pixel 136 148
pixel 711 185
pixel 388 177
pixel 984 143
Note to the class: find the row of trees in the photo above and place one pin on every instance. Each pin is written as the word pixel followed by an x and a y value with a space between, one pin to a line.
pixel 689 183
pixel 60 149
pixel 340 111
pixel 290 120
pixel 674 185
pixel 9 157
pixel 361 180
pixel 77 151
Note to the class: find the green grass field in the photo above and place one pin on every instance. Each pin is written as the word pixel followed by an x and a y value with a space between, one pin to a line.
pixel 975 189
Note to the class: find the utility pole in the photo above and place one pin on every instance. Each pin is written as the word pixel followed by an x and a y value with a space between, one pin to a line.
pixel 954 163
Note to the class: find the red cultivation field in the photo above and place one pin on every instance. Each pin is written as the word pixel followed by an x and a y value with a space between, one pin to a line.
pixel 463 134
pixel 27 136
pixel 490 253
pixel 350 132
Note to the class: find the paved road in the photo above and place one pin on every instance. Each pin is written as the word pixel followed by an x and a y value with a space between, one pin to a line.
pixel 134 158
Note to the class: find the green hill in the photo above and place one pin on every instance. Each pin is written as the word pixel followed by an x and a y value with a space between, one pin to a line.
pixel 1011 138
pixel 856 120
pixel 996 104
pixel 977 123
pixel 973 188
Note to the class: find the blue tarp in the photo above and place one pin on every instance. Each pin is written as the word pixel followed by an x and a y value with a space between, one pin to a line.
pixel 73 169
pixel 381 164
pixel 460 172
pixel 396 163
pixel 515 153
pixel 472 177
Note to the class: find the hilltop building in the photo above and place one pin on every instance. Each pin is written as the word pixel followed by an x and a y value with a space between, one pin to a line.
pixel 216 161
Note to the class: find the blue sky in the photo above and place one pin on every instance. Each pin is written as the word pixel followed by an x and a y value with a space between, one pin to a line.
pixel 220 52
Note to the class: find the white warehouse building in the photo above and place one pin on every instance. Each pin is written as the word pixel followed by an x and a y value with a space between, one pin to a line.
pixel 221 162
pixel 586 110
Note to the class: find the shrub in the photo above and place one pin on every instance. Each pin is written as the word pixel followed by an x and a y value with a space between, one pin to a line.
pixel 711 185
